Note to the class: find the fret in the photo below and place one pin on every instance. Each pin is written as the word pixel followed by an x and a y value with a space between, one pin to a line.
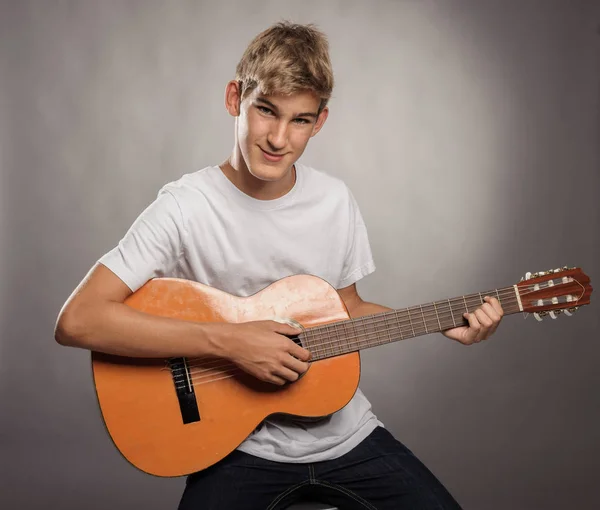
pixel 424 322
pixel 352 336
pixel 466 307
pixel 338 341
pixel 370 334
pixel 315 343
pixel 451 313
pixel 350 332
pixel 329 341
pixel 498 296
pixel 325 342
pixel 358 334
pixel 389 329
pixel 410 321
pixel 365 334
pixel 480 298
pixel 437 315
pixel 341 337
pixel 305 339
pixel 397 320
pixel 335 340
pixel 376 330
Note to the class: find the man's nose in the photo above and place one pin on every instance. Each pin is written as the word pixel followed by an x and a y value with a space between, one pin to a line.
pixel 277 137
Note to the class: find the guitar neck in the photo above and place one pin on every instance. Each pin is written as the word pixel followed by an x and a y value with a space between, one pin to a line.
pixel 352 335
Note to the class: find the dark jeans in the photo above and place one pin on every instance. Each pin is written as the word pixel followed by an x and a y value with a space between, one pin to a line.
pixel 380 473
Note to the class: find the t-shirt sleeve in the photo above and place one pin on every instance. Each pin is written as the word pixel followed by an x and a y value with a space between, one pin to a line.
pixel 359 259
pixel 152 246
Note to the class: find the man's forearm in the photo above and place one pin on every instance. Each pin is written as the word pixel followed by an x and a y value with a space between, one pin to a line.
pixel 115 328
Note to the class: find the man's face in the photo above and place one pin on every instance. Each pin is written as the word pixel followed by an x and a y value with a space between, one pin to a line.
pixel 273 131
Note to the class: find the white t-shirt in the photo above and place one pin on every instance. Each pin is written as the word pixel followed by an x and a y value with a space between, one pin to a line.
pixel 203 228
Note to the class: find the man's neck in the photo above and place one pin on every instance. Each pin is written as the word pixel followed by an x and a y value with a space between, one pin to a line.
pixel 242 179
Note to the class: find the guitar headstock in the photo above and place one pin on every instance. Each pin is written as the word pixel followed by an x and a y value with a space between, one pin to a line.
pixel 554 291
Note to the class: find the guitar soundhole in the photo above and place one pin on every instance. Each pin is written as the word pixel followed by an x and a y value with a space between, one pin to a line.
pixel 296 339
pixel 185 390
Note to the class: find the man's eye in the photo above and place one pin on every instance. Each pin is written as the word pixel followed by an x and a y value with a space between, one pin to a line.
pixel 301 121
pixel 265 110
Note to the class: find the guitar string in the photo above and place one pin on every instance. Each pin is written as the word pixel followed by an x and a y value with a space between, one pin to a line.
pixel 233 369
pixel 209 378
pixel 321 347
pixel 376 333
pixel 476 300
pixel 315 336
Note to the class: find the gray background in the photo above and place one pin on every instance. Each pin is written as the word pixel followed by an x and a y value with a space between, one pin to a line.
pixel 469 133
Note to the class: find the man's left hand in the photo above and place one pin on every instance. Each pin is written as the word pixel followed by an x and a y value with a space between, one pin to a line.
pixel 482 323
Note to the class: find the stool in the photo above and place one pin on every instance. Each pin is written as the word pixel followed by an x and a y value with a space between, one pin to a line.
pixel 311 506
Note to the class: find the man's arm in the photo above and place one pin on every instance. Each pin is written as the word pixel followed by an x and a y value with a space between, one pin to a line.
pixel 95 317
pixel 482 322
pixel 356 306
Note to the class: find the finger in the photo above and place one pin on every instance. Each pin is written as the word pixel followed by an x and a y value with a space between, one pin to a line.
pixel 298 352
pixel 491 312
pixel 496 316
pixel 493 316
pixel 284 328
pixel 495 305
pixel 296 365
pixel 474 328
pixel 286 374
pixel 485 322
pixel 275 379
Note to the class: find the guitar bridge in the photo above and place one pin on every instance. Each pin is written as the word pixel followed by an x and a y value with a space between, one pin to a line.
pixel 184 388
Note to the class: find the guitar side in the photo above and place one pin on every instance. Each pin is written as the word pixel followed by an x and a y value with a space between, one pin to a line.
pixel 138 397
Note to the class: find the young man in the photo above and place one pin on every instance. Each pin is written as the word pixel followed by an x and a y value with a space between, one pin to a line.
pixel 256 218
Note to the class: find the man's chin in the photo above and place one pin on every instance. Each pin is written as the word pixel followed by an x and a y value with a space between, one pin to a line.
pixel 269 173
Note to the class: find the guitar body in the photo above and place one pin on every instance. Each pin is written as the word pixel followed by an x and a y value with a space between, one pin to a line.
pixel 138 397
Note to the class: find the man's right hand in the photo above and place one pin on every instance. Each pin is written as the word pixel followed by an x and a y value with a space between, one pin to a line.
pixel 262 349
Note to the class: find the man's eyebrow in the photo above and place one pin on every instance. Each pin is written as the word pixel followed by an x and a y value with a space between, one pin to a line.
pixel 272 106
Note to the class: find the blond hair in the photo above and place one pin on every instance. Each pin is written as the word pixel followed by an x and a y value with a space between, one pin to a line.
pixel 287 58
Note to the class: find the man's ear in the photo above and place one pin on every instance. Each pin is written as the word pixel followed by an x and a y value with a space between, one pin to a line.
pixel 320 121
pixel 233 98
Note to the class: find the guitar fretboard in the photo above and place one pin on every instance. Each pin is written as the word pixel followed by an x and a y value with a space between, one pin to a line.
pixel 371 330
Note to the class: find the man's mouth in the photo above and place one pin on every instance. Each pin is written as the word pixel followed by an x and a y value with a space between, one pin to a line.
pixel 269 156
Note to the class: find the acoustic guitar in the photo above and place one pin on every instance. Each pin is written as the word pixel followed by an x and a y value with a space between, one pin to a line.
pixel 171 417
